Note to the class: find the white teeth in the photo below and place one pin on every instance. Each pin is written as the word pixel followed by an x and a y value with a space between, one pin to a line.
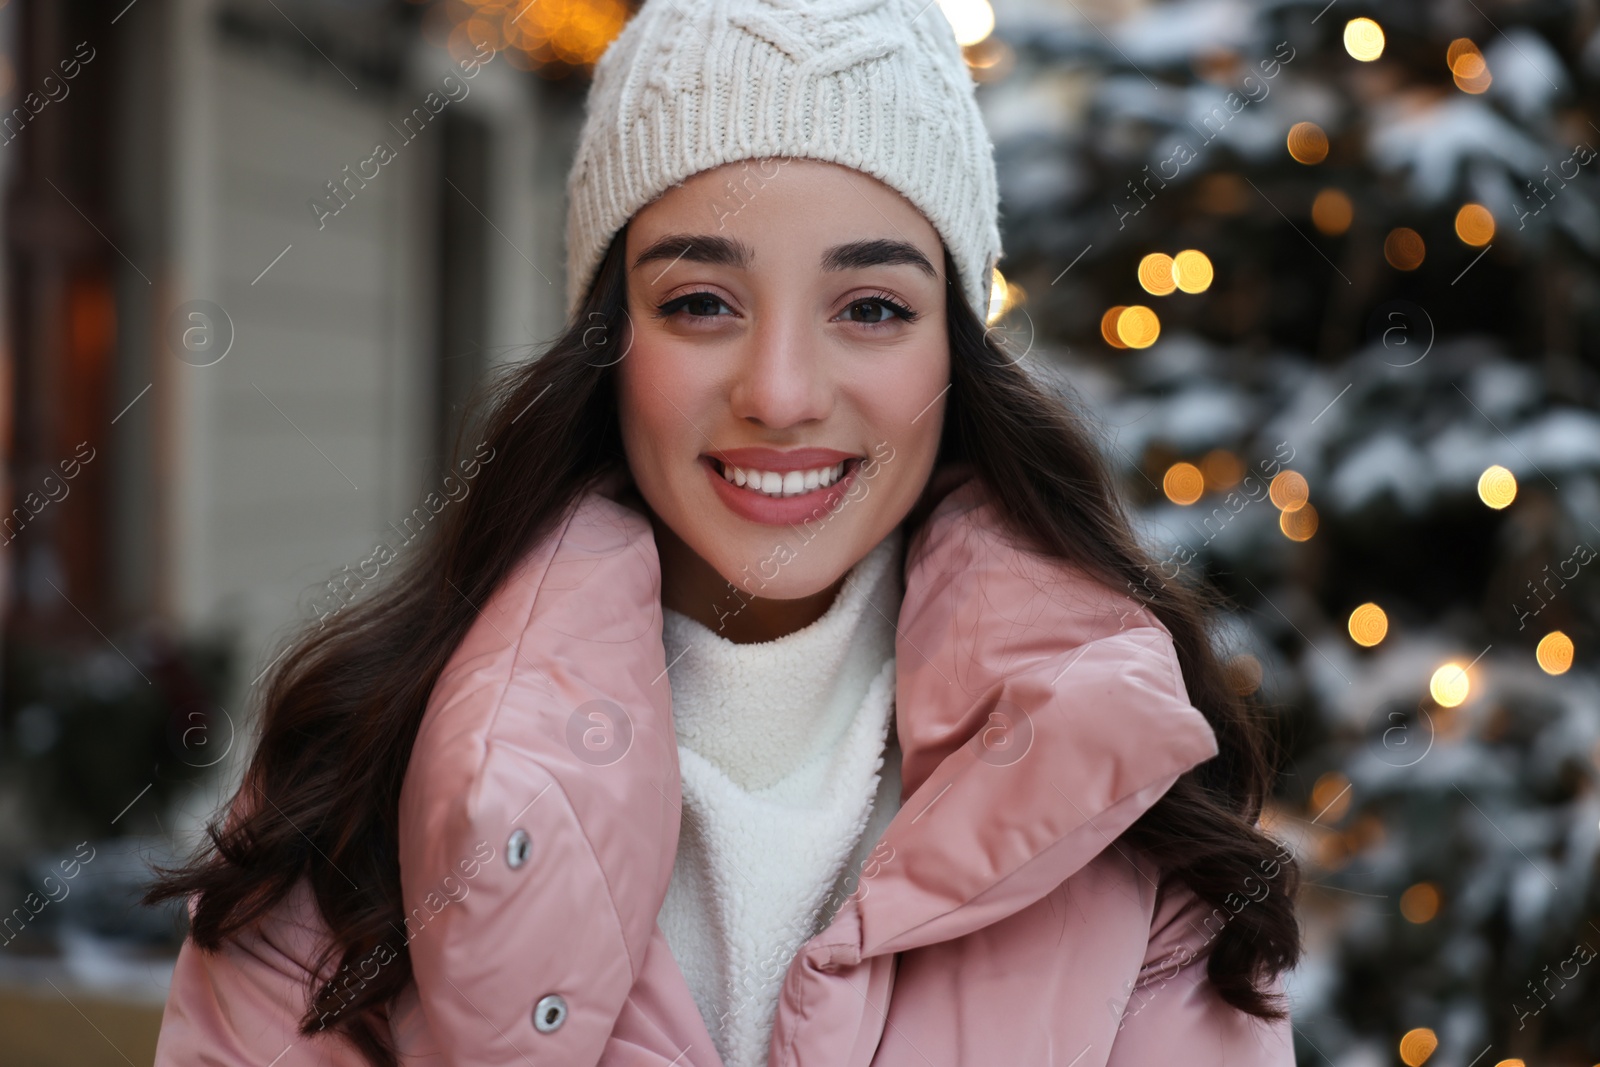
pixel 790 483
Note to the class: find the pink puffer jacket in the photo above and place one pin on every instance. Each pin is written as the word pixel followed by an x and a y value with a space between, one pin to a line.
pixel 1039 714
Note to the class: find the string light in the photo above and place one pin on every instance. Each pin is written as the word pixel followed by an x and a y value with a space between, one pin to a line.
pixel 1554 653
pixel 1222 469
pixel 1108 326
pixel 1419 904
pixel 1330 797
pixel 1299 524
pixel 1417 1045
pixel 1138 326
pixel 1003 296
pixel 1404 248
pixel 1449 685
pixel 1497 487
pixel 1307 143
pixel 1155 274
pixel 1244 674
pixel 1467 66
pixel 550 33
pixel 1363 39
pixel 973 20
pixel 1368 625
pixel 1192 271
pixel 1332 212
pixel 1183 483
pixel 1474 225
pixel 1289 491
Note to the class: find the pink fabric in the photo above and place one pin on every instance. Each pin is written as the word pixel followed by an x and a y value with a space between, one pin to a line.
pixel 1039 715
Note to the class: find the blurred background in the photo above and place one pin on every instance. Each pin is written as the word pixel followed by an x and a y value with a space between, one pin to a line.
pixel 1325 271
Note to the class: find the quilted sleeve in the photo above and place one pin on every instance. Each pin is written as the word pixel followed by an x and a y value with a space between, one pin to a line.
pixel 539 813
pixel 242 1003
pixel 1173 1013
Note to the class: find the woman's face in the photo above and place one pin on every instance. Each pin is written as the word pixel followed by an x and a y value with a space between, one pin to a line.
pixel 784 317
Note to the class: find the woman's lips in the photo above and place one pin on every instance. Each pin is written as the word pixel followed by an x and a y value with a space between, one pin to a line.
pixel 780 511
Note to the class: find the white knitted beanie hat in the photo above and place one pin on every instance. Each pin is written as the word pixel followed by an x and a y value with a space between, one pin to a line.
pixel 879 86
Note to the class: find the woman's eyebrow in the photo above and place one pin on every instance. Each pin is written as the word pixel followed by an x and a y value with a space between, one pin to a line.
pixel 871 253
pixel 698 248
pixel 723 251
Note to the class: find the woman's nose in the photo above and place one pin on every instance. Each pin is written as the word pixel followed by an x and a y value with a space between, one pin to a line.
pixel 782 378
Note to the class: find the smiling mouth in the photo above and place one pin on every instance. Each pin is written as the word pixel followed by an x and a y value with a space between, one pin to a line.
pixel 779 485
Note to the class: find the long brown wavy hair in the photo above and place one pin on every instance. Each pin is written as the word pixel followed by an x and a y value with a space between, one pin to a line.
pixel 341 710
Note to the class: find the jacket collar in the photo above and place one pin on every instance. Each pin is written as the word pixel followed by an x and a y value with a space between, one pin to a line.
pixel 1039 714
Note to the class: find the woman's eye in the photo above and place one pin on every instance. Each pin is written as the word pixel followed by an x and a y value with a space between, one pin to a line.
pixel 698 305
pixel 876 311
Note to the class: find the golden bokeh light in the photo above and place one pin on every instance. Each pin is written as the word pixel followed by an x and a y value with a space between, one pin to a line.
pixel 551 33
pixel 1289 491
pixel 1307 143
pixel 1363 39
pixel 990 60
pixel 1366 833
pixel 1192 270
pixel 1222 194
pixel 1223 469
pixel 1108 326
pixel 1244 674
pixel 1002 298
pixel 1467 66
pixel 1417 1045
pixel 1369 625
pixel 1419 904
pixel 1332 212
pixel 1449 685
pixel 1299 524
pixel 1404 248
pixel 1331 852
pixel 1330 797
pixel 1183 483
pixel 1474 225
pixel 1511 1063
pixel 1461 46
pixel 1497 487
pixel 1554 653
pixel 973 20
pixel 1217 64
pixel 1138 326
pixel 1155 274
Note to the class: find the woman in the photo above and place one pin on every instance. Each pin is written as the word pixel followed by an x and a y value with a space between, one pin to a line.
pixel 787 688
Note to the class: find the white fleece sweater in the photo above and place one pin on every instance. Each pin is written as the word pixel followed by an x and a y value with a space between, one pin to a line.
pixel 790 774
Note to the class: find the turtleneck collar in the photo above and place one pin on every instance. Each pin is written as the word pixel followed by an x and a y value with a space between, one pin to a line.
pixel 760 711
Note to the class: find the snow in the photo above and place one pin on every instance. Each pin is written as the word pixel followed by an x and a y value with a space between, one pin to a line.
pixel 1527 73
pixel 1503 389
pixel 1050 104
pixel 1433 143
pixel 1557 440
pixel 1170 33
pixel 1388 463
pixel 1197 417
pixel 1530 891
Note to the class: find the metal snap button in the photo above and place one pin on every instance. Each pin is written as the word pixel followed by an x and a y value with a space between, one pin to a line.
pixel 517 848
pixel 549 1013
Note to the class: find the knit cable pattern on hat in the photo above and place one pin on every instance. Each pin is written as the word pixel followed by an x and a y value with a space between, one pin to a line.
pixel 878 86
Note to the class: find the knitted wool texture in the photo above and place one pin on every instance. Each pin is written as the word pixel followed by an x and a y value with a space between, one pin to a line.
pixel 879 86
